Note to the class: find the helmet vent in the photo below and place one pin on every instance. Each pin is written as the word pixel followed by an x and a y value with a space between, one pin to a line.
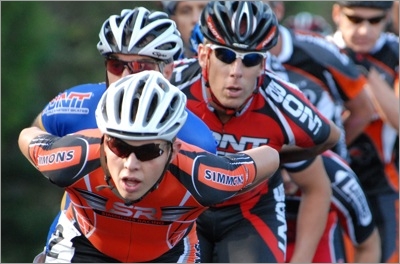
pixel 136 100
pixel 153 105
pixel 143 42
pixel 119 105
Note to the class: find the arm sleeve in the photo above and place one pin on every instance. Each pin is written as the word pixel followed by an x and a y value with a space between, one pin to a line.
pixel 67 159
pixel 212 179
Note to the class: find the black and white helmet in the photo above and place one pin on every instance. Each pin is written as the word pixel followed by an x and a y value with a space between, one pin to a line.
pixel 246 25
pixel 142 106
pixel 141 32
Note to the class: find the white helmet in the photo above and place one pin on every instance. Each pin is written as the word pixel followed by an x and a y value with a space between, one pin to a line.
pixel 142 106
pixel 141 32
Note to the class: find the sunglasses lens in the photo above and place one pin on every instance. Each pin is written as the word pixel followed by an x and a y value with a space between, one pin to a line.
pixel 375 20
pixel 148 152
pixel 228 56
pixel 138 66
pixel 117 67
pixel 118 147
pixel 114 66
pixel 143 153
pixel 225 55
pixel 358 20
pixel 252 59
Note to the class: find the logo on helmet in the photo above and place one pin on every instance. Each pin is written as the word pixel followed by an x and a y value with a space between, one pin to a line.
pixel 269 37
pixel 159 55
pixel 239 45
pixel 211 27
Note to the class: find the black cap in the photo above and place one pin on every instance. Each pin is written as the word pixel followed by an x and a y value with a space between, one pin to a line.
pixel 370 4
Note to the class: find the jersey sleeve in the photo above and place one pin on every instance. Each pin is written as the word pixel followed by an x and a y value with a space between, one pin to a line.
pixel 340 73
pixel 72 110
pixel 308 126
pixel 197 133
pixel 64 160
pixel 348 199
pixel 213 179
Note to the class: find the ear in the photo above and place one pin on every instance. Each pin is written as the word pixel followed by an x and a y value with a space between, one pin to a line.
pixel 336 14
pixel 168 69
pixel 176 147
pixel 262 66
pixel 202 52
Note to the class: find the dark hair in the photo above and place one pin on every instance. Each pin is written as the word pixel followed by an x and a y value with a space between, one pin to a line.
pixel 371 4
pixel 169 7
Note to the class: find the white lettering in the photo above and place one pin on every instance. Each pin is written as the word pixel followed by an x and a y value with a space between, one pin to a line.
pixel 355 195
pixel 294 107
pixel 279 195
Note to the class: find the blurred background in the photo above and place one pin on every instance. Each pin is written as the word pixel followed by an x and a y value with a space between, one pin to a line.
pixel 47 47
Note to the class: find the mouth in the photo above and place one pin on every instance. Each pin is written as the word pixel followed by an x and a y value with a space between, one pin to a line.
pixel 130 185
pixel 233 91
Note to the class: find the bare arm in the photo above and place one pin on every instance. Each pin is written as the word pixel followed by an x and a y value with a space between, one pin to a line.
pixel 293 153
pixel 25 138
pixel 360 111
pixel 266 160
pixel 313 212
pixel 369 250
pixel 385 99
pixel 38 122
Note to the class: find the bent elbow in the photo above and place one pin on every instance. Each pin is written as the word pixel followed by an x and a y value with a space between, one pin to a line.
pixel 334 136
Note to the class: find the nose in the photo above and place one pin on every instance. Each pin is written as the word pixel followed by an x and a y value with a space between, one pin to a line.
pixel 236 69
pixel 363 28
pixel 131 162
pixel 126 71
pixel 196 15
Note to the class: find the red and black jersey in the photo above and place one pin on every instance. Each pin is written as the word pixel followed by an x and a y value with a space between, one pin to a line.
pixel 349 209
pixel 374 154
pixel 277 114
pixel 151 227
pixel 325 75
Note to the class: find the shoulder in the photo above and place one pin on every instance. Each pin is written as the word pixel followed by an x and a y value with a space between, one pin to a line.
pixel 88 87
pixel 272 80
pixel 88 133
pixel 320 49
pixel 392 42
pixel 186 72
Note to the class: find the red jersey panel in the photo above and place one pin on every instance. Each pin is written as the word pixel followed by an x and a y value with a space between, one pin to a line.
pixel 277 114
pixel 147 229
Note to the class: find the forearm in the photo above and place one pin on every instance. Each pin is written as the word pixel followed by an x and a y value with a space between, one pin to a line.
pixel 38 122
pixel 369 250
pixel 313 212
pixel 361 111
pixel 354 126
pixel 25 138
pixel 295 153
pixel 266 160
pixel 385 100
pixel 311 222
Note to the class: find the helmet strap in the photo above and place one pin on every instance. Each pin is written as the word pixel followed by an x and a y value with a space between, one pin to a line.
pixel 161 66
pixel 215 104
pixel 107 81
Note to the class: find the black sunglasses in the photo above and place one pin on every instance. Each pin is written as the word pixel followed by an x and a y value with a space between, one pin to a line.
pixel 143 153
pixel 116 66
pixel 359 20
pixel 228 56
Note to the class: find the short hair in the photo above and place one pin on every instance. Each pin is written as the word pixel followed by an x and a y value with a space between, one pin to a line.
pixel 384 5
pixel 169 7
